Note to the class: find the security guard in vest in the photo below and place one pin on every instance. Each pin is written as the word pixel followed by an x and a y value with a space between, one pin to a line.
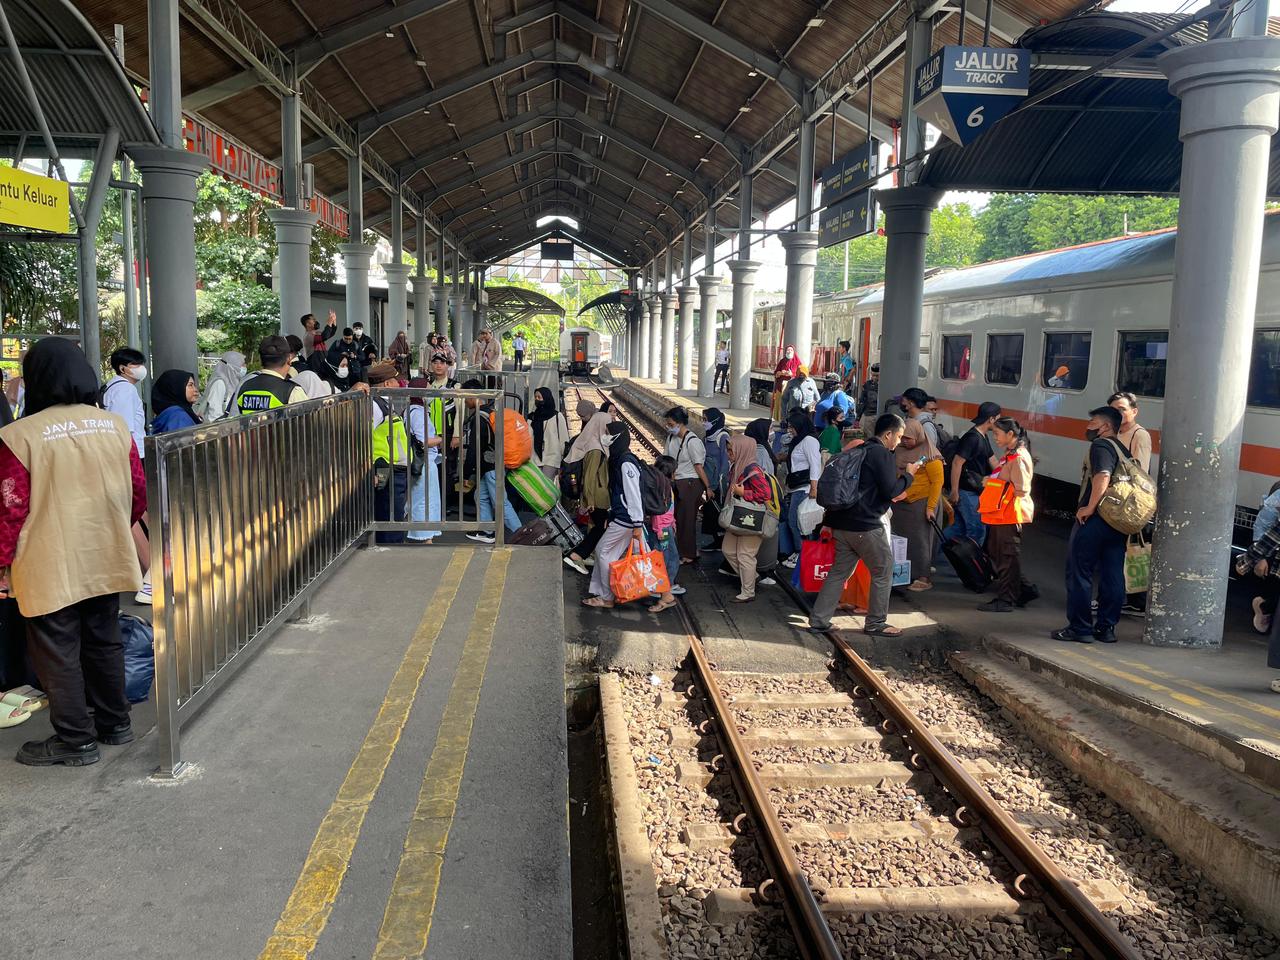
pixel 391 453
pixel 270 387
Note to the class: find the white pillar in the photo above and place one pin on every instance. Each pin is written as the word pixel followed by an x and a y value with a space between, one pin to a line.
pixel 710 285
pixel 640 368
pixel 397 298
pixel 666 370
pixel 797 313
pixel 655 338
pixel 740 345
pixel 1230 92
pixel 684 351
pixel 421 309
pixel 356 257
pixel 440 295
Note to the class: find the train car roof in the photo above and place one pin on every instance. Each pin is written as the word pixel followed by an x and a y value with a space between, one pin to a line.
pixel 1124 258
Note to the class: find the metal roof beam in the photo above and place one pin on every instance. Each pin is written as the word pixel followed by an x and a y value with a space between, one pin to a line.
pixel 1134 68
pixel 589 240
pixel 1005 24
pixel 371 123
pixel 522 123
pixel 557 174
pixel 525 18
pixel 536 204
pixel 554 9
pixel 311 54
pixel 215 93
pixel 536 79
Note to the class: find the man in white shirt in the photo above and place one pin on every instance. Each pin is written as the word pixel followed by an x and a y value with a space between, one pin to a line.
pixel 519 345
pixel 721 380
pixel 121 396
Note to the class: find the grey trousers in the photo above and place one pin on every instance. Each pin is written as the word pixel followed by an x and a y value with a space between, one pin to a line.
pixel 872 548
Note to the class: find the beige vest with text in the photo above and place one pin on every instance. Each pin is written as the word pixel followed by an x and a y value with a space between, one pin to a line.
pixel 76 542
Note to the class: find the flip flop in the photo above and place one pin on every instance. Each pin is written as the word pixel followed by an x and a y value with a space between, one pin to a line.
pixel 11 716
pixel 663 605
pixel 598 603
pixel 885 631
pixel 25 698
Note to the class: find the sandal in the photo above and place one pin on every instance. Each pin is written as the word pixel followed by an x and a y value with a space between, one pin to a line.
pixel 741 599
pixel 664 604
pixel 885 631
pixel 598 602
pixel 11 716
pixel 25 698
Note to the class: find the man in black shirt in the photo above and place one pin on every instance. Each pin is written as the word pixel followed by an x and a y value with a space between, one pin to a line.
pixel 970 466
pixel 1095 547
pixel 861 531
pixel 364 343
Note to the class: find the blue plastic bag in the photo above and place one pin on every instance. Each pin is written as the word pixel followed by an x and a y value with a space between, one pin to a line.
pixel 139 658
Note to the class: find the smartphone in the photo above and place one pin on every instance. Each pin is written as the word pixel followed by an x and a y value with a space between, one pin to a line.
pixel 921 461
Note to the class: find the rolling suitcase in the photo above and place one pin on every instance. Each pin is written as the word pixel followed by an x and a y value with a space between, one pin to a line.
pixel 970 561
pixel 535 533
pixel 567 533
pixel 534 487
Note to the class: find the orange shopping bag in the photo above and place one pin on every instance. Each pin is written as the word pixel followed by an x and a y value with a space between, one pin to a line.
pixel 857 589
pixel 636 574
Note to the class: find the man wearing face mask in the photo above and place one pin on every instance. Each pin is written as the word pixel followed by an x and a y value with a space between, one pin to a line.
pixel 346 350
pixel 1096 549
pixel 367 349
pixel 121 396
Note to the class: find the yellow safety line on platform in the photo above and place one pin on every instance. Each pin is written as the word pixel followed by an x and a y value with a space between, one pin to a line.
pixel 1208 691
pixel 307 911
pixel 406 925
pixel 1183 698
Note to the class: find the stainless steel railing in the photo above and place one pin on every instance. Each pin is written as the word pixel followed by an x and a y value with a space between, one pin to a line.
pixel 249 515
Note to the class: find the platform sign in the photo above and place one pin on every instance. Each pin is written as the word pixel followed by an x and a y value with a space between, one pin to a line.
pixel 557 248
pixel 854 216
pixel 963 91
pixel 850 172
pixel 36 202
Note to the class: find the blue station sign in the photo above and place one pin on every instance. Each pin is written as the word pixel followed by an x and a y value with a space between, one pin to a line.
pixel 963 91
pixel 850 172
pixel 854 216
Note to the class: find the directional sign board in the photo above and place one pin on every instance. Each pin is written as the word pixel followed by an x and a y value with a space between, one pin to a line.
pixel 30 200
pixel 850 172
pixel 963 91
pixel 851 217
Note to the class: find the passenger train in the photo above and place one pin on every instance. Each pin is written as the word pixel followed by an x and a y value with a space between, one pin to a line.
pixel 583 349
pixel 1050 335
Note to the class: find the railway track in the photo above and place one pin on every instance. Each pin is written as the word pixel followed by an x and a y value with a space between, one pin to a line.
pixel 1016 871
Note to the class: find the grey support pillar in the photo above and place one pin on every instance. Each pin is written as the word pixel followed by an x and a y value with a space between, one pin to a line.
pixel 655 338
pixel 644 324
pixel 421 310
pixel 740 346
pixel 908 215
pixel 356 258
pixel 482 297
pixel 397 299
pixel 168 210
pixel 684 350
pixel 666 371
pixel 797 312
pixel 804 175
pixel 461 337
pixel 710 285
pixel 293 250
pixel 1230 92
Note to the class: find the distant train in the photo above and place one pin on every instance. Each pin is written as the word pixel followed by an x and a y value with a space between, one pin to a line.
pixel 1049 336
pixel 583 349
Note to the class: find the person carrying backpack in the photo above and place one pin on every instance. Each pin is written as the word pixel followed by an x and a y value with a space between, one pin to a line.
pixel 747 481
pixel 658 498
pixel 1096 549
pixel 856 490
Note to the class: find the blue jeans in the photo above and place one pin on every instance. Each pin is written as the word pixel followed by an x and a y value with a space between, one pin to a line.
pixel 424 491
pixel 790 537
pixel 670 552
pixel 1095 549
pixel 487 496
pixel 968 522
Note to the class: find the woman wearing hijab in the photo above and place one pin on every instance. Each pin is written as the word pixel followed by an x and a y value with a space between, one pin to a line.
pixel 550 432
pixel 747 481
pixel 313 385
pixel 716 464
pixel 758 430
pixel 788 365
pixel 227 375
pixel 589 447
pixel 626 513
pixel 804 466
pixel 172 397
pixel 398 353
pixel 424 489
pixel 74 487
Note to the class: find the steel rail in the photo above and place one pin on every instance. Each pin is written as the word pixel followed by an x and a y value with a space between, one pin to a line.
pixel 799 903
pixel 1099 937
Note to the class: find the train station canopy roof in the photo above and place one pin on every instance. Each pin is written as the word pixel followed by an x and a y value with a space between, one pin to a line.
pixel 632 115
pixel 511 306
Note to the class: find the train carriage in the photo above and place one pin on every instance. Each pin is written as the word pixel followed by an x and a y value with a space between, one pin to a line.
pixel 1050 335
pixel 583 349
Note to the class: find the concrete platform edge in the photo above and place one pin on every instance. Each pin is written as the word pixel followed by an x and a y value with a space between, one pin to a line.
pixel 646 938
pixel 1220 825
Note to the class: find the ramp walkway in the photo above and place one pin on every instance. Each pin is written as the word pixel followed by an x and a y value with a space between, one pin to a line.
pixel 388 779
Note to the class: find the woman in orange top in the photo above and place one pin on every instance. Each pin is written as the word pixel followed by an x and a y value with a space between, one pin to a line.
pixel 1004 540
pixel 914 512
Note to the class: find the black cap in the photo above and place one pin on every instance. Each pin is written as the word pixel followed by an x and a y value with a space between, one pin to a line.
pixel 987 410
pixel 273 350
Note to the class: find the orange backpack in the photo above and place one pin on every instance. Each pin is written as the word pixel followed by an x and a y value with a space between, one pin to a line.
pixel 517 438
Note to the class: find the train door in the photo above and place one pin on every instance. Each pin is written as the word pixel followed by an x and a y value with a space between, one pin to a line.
pixel 864 348
pixel 578 351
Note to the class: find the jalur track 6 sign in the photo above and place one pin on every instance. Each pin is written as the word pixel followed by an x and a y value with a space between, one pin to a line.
pixel 964 90
pixel 35 202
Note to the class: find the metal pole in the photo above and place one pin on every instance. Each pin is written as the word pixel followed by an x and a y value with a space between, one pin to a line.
pixel 744 215
pixel 144 311
pixel 131 332
pixel 986 26
pixel 164 65
pixel 846 266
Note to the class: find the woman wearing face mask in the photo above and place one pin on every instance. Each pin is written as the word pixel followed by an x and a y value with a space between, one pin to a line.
pixel 689 480
pixel 717 466
pixel 1004 539
pixel 550 432
pixel 748 481
pixel 626 513
pixel 804 466
pixel 172 396
pixel 589 447
pixel 225 380
pixel 788 365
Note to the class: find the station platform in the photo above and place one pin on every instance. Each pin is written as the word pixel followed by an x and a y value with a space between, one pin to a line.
pixel 389 777
pixel 660 397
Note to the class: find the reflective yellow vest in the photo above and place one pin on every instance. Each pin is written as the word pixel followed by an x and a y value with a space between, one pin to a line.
pixel 388 434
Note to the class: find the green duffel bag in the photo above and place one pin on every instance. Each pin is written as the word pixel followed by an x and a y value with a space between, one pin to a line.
pixel 534 487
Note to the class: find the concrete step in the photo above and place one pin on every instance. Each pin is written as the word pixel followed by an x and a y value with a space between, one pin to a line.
pixel 1223 824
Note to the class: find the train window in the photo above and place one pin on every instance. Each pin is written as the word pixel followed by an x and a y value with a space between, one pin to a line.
pixel 1066 360
pixel 1264 371
pixel 1004 358
pixel 956 352
pixel 1143 357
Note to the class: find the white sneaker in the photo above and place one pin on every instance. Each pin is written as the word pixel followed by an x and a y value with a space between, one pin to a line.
pixel 1275 686
pixel 677 590
pixel 1261 621
pixel 573 564
pixel 766 582
pixel 143 596
pixel 791 561
pixel 482 536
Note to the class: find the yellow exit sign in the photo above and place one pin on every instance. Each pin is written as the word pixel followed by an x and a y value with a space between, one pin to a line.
pixel 29 200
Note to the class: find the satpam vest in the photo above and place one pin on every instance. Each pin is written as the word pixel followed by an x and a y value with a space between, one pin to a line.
pixel 263 392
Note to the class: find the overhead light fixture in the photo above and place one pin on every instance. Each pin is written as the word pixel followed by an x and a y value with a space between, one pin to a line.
pixel 753 73
pixel 744 109
pixel 668 173
pixel 390 34
pixel 420 62
pixel 816 22
pixel 678 192
pixel 697 136
pixel 451 123
pixel 702 159
pixel 426 112
pixel 454 158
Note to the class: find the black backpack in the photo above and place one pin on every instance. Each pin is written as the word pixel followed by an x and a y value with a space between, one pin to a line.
pixel 838 487
pixel 655 490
